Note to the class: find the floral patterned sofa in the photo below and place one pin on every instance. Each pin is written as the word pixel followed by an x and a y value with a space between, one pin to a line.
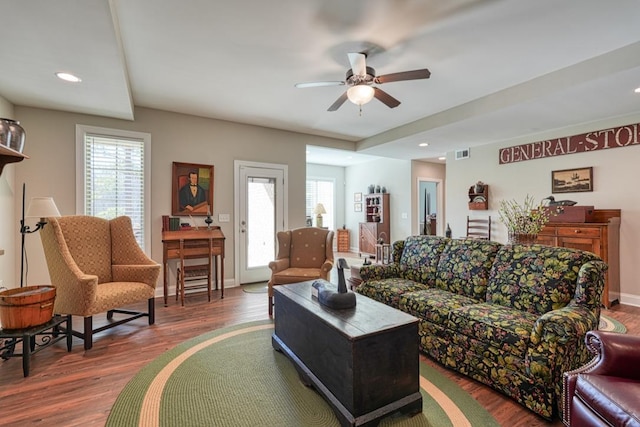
pixel 511 316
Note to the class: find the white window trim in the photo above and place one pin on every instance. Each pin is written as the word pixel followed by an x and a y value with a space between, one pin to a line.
pixel 81 130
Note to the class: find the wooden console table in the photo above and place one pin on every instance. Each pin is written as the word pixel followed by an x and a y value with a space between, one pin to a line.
pixel 197 242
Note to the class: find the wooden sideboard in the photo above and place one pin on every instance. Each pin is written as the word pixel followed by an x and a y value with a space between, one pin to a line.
pixel 602 237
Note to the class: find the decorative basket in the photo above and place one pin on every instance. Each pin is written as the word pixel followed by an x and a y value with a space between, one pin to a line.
pixel 522 239
pixel 22 308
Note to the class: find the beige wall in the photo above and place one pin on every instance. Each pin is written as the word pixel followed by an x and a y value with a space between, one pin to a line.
pixel 50 170
pixel 615 172
pixel 9 223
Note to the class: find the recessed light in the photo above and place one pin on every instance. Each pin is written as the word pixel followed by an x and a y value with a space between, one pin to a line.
pixel 637 90
pixel 442 158
pixel 424 144
pixel 68 77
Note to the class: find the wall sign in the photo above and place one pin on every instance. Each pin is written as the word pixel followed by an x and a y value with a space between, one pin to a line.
pixel 622 136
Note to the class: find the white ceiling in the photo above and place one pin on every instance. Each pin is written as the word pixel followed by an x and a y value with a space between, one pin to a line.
pixel 500 68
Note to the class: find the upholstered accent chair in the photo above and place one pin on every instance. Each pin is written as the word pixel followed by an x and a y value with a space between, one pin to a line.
pixel 605 391
pixel 303 254
pixel 97 266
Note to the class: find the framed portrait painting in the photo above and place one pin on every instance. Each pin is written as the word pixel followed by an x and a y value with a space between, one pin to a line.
pixel 192 189
pixel 572 180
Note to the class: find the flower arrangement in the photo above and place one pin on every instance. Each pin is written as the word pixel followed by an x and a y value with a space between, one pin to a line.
pixel 523 219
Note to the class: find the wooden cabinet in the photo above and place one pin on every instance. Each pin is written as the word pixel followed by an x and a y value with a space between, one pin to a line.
pixel 377 223
pixel 7 155
pixel 602 237
pixel 342 237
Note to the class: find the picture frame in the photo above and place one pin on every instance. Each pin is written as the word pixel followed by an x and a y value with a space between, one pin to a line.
pixel 357 197
pixel 572 180
pixel 185 198
pixel 357 207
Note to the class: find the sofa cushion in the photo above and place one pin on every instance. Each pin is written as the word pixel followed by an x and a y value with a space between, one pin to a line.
pixel 614 399
pixel 388 291
pixel 465 265
pixel 432 304
pixel 504 328
pixel 535 278
pixel 420 257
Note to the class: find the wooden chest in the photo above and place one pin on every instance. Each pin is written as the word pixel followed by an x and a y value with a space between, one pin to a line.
pixel 364 360
pixel 571 213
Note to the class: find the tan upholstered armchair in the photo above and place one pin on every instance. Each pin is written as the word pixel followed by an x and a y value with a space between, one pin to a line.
pixel 303 254
pixel 97 266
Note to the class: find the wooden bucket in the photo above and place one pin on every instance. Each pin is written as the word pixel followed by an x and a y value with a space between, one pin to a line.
pixel 26 307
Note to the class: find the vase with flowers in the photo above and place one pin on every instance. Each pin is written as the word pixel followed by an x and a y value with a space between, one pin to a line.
pixel 524 221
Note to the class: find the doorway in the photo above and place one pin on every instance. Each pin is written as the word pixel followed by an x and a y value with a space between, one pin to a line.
pixel 260 212
pixel 430 206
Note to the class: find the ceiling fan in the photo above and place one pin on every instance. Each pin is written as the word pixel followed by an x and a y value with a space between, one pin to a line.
pixel 360 80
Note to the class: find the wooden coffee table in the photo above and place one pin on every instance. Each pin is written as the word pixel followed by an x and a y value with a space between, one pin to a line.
pixel 364 360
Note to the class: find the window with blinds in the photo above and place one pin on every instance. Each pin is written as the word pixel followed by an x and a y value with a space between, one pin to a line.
pixel 113 176
pixel 321 191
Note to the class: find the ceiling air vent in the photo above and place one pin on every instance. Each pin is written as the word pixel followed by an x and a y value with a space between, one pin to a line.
pixel 462 154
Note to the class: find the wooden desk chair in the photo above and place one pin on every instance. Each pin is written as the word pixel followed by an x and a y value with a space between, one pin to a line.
pixel 190 277
pixel 479 228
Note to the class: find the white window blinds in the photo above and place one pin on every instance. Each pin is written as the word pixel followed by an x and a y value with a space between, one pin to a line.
pixel 114 181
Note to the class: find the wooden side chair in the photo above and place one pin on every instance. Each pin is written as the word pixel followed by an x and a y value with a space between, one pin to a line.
pixel 479 228
pixel 192 277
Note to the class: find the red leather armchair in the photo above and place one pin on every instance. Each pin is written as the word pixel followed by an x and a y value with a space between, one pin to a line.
pixel 606 391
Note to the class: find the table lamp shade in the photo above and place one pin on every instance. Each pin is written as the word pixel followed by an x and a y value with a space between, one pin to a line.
pixel 42 207
pixel 319 210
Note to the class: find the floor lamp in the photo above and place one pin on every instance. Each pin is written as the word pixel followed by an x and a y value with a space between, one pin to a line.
pixel 39 207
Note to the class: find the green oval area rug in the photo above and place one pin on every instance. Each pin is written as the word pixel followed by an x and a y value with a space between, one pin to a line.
pixel 611 325
pixel 234 377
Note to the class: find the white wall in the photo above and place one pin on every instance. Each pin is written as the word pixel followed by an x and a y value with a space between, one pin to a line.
pixel 393 174
pixel 615 173
pixel 50 170
pixel 9 222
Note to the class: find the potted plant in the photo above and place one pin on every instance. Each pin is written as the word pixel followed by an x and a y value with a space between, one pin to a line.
pixel 524 221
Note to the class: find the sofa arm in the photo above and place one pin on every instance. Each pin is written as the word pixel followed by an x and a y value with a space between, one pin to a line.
pixel 557 341
pixel 279 265
pixel 616 354
pixel 379 271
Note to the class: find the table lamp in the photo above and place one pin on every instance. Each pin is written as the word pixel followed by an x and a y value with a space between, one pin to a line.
pixel 39 207
pixel 319 210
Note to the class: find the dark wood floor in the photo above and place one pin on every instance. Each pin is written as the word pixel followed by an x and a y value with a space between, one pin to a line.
pixel 79 388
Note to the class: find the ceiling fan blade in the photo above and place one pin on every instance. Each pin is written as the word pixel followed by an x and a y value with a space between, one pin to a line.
pixel 385 98
pixel 358 63
pixel 404 75
pixel 338 102
pixel 319 84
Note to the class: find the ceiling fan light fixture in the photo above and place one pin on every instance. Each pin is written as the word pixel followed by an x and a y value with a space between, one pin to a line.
pixel 360 94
